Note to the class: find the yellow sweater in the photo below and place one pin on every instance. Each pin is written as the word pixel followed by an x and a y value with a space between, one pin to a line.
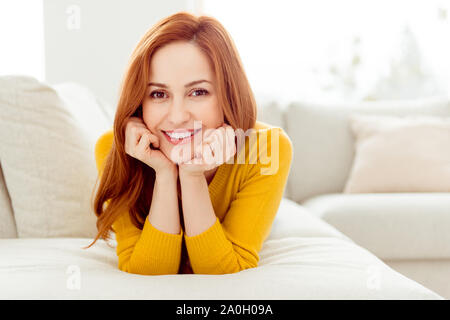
pixel 245 200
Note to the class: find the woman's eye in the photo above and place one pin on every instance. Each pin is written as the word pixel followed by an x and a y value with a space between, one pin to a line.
pixel 204 92
pixel 160 94
pixel 157 92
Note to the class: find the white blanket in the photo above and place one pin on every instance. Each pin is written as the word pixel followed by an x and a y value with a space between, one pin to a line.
pixel 303 258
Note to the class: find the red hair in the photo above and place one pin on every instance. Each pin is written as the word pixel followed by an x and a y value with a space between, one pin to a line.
pixel 126 184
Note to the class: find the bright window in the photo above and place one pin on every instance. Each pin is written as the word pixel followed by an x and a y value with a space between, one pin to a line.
pixel 347 49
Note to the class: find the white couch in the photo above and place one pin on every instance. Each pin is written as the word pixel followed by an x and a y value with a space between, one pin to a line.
pixel 408 231
pixel 47 135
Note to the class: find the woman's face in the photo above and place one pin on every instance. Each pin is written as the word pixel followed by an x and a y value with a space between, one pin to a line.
pixel 181 90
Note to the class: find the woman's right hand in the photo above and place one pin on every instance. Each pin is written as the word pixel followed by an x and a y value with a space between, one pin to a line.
pixel 138 139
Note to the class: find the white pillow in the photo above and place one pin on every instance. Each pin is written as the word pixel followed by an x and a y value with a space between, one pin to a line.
pixel 48 158
pixel 323 142
pixel 400 154
pixel 7 223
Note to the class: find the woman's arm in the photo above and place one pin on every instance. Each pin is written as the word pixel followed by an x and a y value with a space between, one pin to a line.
pixel 198 210
pixel 164 214
pixel 233 245
pixel 156 249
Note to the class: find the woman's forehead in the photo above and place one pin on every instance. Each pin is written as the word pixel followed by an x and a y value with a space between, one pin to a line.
pixel 180 62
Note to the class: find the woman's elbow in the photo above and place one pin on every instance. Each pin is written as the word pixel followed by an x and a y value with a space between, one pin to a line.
pixel 128 267
pixel 244 265
pixel 247 261
pixel 234 266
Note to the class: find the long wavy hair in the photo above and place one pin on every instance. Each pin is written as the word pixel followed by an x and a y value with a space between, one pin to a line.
pixel 125 183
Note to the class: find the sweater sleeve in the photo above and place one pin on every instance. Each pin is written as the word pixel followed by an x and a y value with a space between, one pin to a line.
pixel 233 245
pixel 149 251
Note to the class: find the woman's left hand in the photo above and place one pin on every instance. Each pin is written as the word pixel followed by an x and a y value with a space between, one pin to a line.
pixel 216 148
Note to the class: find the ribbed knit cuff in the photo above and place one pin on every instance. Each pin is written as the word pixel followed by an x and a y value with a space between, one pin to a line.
pixel 160 245
pixel 209 244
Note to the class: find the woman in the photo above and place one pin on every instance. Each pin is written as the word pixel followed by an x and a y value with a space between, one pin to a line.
pixel 187 173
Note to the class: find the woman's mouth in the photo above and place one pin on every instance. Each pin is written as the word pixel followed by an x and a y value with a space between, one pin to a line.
pixel 180 138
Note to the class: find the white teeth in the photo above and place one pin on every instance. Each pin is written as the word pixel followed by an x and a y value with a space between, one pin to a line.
pixel 179 135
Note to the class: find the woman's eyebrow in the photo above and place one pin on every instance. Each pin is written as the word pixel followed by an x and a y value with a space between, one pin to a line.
pixel 162 85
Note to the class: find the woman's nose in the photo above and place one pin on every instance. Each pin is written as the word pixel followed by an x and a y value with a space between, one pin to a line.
pixel 178 113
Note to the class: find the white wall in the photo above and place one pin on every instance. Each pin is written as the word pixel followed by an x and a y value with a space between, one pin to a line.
pixel 90 42
pixel 22 38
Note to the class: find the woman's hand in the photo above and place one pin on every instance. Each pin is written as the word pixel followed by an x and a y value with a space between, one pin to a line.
pixel 141 144
pixel 217 148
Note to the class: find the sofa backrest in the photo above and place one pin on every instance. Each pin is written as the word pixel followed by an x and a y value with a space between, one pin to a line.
pixel 270 112
pixel 47 140
pixel 7 223
pixel 324 145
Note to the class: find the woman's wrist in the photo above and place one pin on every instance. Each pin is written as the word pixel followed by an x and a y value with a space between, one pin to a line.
pixel 191 176
pixel 168 173
pixel 184 171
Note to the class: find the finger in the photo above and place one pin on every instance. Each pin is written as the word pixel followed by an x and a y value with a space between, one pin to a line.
pixel 221 144
pixel 231 145
pixel 208 157
pixel 180 153
pixel 221 136
pixel 208 136
pixel 140 149
pixel 132 138
pixel 143 142
pixel 147 139
pixel 135 124
pixel 198 151
pixel 136 132
pixel 221 147
pixel 216 137
pixel 212 147
pixel 198 154
pixel 224 145
pixel 217 149
pixel 197 157
pixel 154 140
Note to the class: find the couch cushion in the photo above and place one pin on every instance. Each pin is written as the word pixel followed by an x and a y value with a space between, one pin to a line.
pixel 311 261
pixel 393 226
pixel 324 145
pixel 270 112
pixel 400 154
pixel 431 273
pixel 47 156
pixel 7 223
pixel 293 220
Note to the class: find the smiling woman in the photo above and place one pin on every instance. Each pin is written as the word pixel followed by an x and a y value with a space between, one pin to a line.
pixel 185 91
